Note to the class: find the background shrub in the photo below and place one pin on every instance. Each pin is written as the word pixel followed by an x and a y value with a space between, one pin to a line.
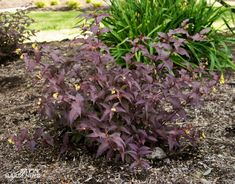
pixel 40 4
pixel 54 2
pixel 122 112
pixel 132 18
pixel 73 4
pixel 13 32
pixel 88 1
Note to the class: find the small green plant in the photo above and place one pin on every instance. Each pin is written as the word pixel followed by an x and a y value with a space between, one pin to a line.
pixel 40 4
pixel 13 32
pixel 54 2
pixel 97 4
pixel 88 1
pixel 73 4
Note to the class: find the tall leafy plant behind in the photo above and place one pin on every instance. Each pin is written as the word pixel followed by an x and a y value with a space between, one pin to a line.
pixel 123 112
pixel 132 18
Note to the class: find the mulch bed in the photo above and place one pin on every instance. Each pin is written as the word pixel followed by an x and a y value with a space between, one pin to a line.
pixel 213 161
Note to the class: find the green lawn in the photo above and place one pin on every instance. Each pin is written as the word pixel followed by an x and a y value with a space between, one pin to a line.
pixel 58 20
pixel 54 20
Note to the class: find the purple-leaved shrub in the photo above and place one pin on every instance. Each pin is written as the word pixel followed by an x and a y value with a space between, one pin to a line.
pixel 125 112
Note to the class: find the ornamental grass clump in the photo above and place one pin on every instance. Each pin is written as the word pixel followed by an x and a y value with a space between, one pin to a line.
pixel 131 18
pixel 122 112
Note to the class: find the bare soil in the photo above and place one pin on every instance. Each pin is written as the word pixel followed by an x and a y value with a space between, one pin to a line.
pixel 213 161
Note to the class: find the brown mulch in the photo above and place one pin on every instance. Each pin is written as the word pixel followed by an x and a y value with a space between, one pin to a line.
pixel 212 162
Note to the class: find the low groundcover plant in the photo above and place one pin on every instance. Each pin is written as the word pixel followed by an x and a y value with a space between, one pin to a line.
pixel 124 112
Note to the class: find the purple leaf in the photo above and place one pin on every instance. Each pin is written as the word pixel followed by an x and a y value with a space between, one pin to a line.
pixel 75 112
pixel 102 148
pixel 119 142
pixel 133 146
pixel 48 139
pixel 94 29
pixel 175 102
pixel 144 150
pixel 182 52
pixel 24 135
pixel 32 144
pixel 38 133
pixel 64 146
pixel 205 31
pixel 163 35
pixel 133 154
pixel 97 135
pixel 185 22
pixel 168 64
pixel 197 37
pixel 76 108
pixel 100 17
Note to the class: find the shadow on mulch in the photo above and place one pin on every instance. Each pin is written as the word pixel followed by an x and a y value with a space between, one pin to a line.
pixel 10 82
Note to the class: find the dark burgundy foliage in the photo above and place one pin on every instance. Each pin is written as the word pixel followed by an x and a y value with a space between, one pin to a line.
pixel 124 112
pixel 39 135
pixel 165 46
